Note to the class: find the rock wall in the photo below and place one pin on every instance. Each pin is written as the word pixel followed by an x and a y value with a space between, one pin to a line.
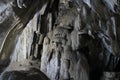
pixel 72 39
pixel 25 40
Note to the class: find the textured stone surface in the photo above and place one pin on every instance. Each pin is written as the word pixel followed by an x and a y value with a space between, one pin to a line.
pixel 65 39
pixel 32 74
pixel 25 39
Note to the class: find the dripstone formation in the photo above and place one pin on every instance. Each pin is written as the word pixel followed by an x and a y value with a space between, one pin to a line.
pixel 60 40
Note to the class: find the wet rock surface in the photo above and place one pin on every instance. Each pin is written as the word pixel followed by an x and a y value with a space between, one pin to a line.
pixel 64 39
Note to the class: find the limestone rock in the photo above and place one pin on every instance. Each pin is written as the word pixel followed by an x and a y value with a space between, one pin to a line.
pixel 65 39
pixel 32 74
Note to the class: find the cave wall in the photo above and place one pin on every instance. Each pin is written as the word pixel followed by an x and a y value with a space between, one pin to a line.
pixel 72 39
pixel 25 39
pixel 6 18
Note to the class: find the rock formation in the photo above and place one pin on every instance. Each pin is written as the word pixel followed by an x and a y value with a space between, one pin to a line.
pixel 59 39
